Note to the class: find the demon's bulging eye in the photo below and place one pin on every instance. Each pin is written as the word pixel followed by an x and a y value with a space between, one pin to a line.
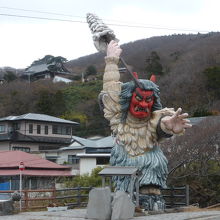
pixel 149 99
pixel 138 98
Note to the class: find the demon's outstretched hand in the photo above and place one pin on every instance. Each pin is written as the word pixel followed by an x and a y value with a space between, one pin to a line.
pixel 176 123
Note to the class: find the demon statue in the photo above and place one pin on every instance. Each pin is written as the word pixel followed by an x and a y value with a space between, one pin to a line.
pixel 138 123
pixel 137 119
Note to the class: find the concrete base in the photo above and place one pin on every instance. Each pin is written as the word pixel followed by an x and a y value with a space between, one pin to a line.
pixel 6 207
pixel 152 202
pixel 122 206
pixel 99 205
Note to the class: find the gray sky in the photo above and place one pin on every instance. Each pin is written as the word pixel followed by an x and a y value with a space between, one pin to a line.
pixel 23 40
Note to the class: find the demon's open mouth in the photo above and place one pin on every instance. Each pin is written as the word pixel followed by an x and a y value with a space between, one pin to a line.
pixel 141 109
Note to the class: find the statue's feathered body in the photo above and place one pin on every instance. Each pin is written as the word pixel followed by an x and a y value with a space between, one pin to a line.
pixel 136 140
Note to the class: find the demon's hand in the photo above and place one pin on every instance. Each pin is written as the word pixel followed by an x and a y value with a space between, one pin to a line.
pixel 113 49
pixel 175 124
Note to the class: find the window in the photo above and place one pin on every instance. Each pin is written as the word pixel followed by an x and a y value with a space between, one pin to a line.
pixel 55 129
pixel 46 129
pixel 68 130
pixel 73 159
pixel 63 130
pixel 25 149
pixel 48 147
pixel 38 129
pixel 16 126
pixel 30 128
pixel 102 160
pixel 51 158
pixel 2 128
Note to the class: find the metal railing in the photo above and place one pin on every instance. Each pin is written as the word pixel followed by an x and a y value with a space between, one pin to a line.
pixel 176 196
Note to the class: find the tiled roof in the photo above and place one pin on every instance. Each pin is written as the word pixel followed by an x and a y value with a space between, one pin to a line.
pixel 197 120
pixel 16 136
pixel 37 117
pixel 47 173
pixel 34 165
pixel 105 142
pixel 12 159
pixel 92 155
pixel 37 68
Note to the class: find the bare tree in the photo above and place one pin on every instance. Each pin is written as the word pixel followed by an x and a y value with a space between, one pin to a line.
pixel 194 160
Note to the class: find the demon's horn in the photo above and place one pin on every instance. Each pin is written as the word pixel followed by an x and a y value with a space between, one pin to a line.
pixel 135 75
pixel 153 78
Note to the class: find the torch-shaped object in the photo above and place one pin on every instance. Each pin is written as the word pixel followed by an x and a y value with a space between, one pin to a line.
pixel 102 35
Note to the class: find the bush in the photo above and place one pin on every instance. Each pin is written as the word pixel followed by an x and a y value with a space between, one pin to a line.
pixel 86 180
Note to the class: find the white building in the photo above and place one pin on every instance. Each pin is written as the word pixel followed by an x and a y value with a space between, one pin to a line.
pixel 86 154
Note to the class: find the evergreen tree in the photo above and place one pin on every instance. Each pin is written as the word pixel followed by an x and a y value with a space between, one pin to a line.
pixel 10 76
pixel 91 70
pixel 153 64
pixel 212 75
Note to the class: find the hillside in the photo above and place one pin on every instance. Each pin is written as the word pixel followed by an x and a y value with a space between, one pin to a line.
pixel 183 59
pixel 187 69
pixel 198 51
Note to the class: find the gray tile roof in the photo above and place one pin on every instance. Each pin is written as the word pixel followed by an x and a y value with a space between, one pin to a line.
pixel 118 171
pixel 106 142
pixel 37 117
pixel 37 68
pixel 197 120
pixel 16 136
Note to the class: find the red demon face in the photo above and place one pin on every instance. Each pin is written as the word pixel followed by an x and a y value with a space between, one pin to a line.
pixel 141 103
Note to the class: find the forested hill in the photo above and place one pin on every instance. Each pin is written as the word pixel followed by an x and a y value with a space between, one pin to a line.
pixel 187 68
pixel 175 51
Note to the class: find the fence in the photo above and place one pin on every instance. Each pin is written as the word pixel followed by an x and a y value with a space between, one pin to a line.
pixel 78 197
pixel 42 198
pixel 176 196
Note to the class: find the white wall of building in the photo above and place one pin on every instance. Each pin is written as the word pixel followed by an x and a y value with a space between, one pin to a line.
pixel 86 165
pixel 63 155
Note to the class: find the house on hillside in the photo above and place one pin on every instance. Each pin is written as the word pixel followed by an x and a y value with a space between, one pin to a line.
pixel 86 154
pixel 35 133
pixel 37 174
pixel 49 67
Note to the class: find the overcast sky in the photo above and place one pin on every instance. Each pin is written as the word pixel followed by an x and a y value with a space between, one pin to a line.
pixel 23 40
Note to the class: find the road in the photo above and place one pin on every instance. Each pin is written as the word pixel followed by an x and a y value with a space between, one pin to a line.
pixel 79 214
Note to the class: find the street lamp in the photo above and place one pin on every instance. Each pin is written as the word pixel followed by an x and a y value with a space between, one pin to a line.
pixel 21 168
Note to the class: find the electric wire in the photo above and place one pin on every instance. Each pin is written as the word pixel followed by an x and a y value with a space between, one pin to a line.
pixel 42 12
pixel 113 24
pixel 42 18
pixel 70 15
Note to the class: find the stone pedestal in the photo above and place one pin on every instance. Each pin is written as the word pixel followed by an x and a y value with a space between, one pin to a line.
pixel 122 206
pixel 152 202
pixel 6 207
pixel 99 205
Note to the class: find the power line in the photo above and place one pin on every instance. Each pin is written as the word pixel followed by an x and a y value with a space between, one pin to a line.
pixel 113 24
pixel 70 15
pixel 43 12
pixel 42 18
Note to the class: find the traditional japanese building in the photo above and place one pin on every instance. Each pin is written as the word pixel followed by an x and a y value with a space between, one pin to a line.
pixel 48 67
